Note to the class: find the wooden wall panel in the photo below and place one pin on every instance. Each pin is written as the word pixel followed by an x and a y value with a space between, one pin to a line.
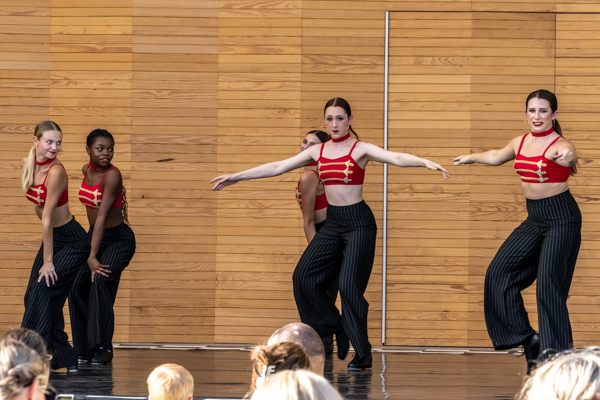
pixel 192 89
pixel 24 101
pixel 174 144
pixel 577 80
pixel 428 237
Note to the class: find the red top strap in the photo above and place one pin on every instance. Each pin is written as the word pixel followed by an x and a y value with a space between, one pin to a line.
pixel 521 146
pixel 550 145
pixel 101 180
pixel 46 177
pixel 352 149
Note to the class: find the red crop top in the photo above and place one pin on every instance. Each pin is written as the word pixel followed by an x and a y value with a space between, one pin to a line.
pixel 37 194
pixel 340 171
pixel 91 196
pixel 320 199
pixel 539 169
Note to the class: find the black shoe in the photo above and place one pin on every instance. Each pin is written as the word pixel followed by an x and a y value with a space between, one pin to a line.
pixel 531 349
pixel 83 359
pixel 361 363
pixel 328 349
pixel 102 357
pixel 72 368
pixel 343 345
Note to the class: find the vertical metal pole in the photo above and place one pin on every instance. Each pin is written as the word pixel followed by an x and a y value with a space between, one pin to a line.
pixel 385 175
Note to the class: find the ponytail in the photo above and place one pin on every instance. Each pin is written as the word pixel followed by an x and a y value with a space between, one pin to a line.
pixel 28 170
pixel 125 208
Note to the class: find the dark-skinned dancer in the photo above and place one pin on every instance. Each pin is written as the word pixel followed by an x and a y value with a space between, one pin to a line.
pixel 112 247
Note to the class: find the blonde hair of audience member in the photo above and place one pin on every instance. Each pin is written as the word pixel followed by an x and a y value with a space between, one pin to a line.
pixel 572 376
pixel 22 374
pixel 32 340
pixel 307 338
pixel 170 382
pixel 272 359
pixel 296 385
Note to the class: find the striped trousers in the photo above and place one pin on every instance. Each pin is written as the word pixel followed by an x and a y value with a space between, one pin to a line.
pixel 544 247
pixel 344 248
pixel 332 292
pixel 91 304
pixel 43 304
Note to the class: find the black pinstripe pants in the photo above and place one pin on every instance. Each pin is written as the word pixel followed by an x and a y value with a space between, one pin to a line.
pixel 344 247
pixel 332 292
pixel 91 304
pixel 43 304
pixel 545 247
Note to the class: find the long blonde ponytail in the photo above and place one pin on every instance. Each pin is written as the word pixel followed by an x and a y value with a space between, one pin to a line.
pixel 29 167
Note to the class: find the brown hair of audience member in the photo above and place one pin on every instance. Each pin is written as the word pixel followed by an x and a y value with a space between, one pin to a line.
pixel 268 360
pixel 22 375
pixel 568 376
pixel 170 382
pixel 296 385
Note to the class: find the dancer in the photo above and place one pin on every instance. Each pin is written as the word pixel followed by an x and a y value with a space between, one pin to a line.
pixel 310 192
pixel 311 197
pixel 345 246
pixel 64 247
pixel 545 246
pixel 113 245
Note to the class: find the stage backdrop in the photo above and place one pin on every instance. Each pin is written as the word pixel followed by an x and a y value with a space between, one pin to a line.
pixel 193 89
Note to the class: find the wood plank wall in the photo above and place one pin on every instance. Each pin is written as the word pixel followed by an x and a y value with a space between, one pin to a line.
pixel 193 89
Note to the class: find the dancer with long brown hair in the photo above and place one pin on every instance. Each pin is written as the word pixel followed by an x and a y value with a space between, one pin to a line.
pixel 345 246
pixel 545 246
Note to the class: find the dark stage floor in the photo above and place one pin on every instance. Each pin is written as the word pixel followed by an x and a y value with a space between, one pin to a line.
pixel 224 372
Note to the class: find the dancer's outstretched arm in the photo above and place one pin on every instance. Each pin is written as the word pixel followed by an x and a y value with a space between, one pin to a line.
pixel 378 154
pixel 268 170
pixel 492 157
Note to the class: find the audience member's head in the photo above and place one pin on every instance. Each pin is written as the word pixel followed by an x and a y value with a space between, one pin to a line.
pixel 571 376
pixel 170 382
pixel 22 375
pixel 307 338
pixel 296 385
pixel 34 341
pixel 269 360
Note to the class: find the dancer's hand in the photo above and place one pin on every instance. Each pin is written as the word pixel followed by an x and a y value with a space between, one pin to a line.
pixel 463 160
pixel 98 268
pixel 436 167
pixel 223 181
pixel 564 158
pixel 48 273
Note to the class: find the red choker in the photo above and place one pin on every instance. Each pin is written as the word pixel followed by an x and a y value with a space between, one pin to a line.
pixel 92 166
pixel 341 139
pixel 542 134
pixel 48 161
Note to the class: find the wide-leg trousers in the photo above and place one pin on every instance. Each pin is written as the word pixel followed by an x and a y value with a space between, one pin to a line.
pixel 333 290
pixel 91 304
pixel 43 304
pixel 544 247
pixel 344 247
